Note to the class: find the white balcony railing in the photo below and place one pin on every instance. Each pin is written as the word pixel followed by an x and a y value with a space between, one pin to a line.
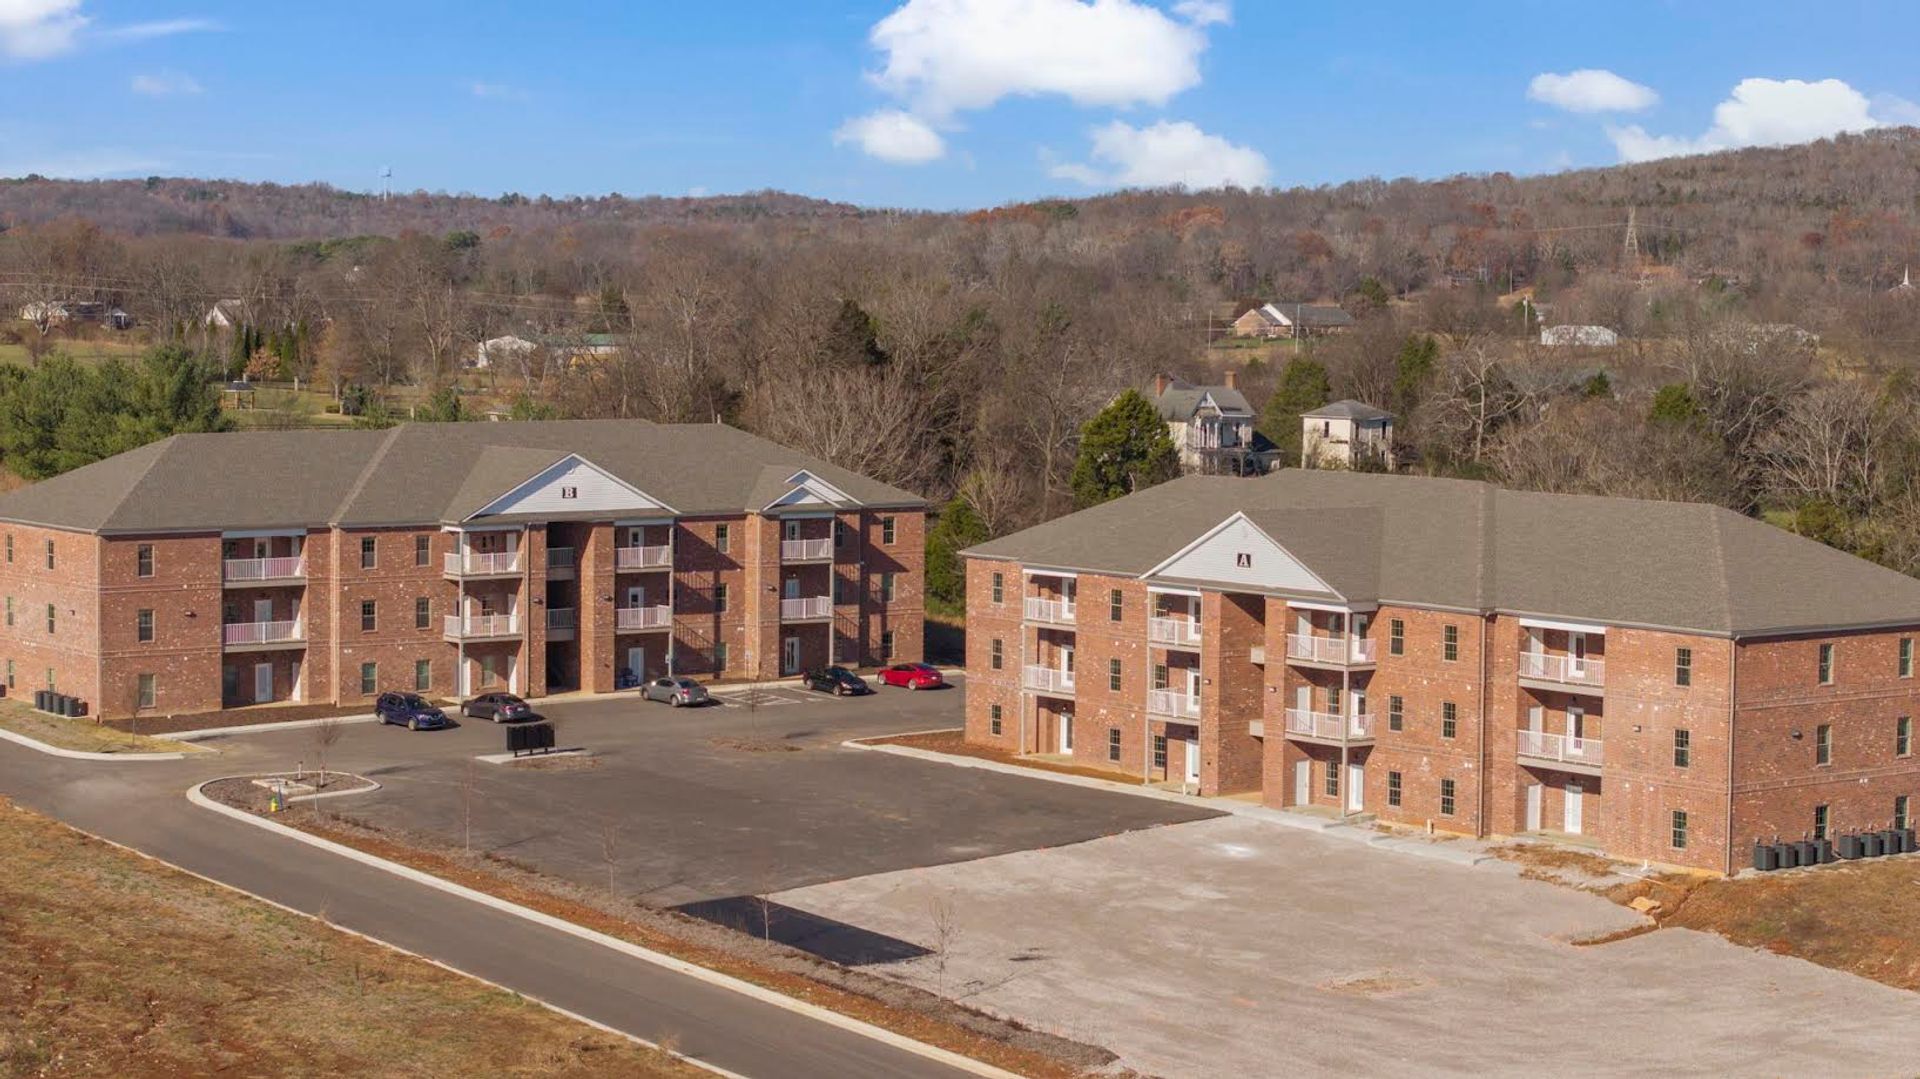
pixel 1175 631
pixel 560 618
pixel 1173 702
pixel 473 562
pixel 1329 725
pixel 806 607
pixel 1057 611
pixel 1330 649
pixel 642 557
pixel 1560 748
pixel 632 618
pixel 805 550
pixel 234 633
pixel 1047 679
pixel 482 625
pixel 1567 670
pixel 264 569
pixel 559 558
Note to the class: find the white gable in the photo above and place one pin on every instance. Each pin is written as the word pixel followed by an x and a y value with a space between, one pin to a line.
pixel 809 490
pixel 1236 553
pixel 573 486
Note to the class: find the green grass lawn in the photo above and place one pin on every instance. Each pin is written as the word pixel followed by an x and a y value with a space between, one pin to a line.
pixel 84 351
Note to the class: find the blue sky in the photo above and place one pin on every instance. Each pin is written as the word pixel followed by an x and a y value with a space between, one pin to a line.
pixel 926 103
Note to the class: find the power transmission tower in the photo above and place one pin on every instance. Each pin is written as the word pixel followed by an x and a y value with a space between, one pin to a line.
pixel 1632 244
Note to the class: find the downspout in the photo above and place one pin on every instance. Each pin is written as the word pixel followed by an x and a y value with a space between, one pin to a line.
pixel 460 616
pixel 1480 824
pixel 673 547
pixel 1346 729
pixel 1020 676
pixel 1733 716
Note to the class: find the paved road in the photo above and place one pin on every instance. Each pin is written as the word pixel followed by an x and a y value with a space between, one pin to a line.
pixel 142 806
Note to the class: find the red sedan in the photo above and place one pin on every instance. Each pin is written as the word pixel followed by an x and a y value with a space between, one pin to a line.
pixel 912 676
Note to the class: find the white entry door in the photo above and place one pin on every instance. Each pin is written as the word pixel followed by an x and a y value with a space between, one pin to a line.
pixel 263 610
pixel 1574 797
pixel 790 656
pixel 1193 761
pixel 1066 732
pixel 1303 698
pixel 1356 787
pixel 1302 782
pixel 262 683
pixel 1066 666
pixel 1576 654
pixel 792 588
pixel 298 692
pixel 1193 683
pixel 1534 790
pixel 636 596
pixel 637 664
pixel 1576 732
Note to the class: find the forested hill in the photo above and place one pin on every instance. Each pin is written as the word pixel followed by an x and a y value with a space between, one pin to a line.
pixel 1716 203
pixel 229 208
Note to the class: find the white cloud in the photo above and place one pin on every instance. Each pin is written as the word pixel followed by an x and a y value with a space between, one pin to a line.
pixel 1204 12
pixel 1760 112
pixel 84 165
pixel 945 56
pixel 1893 109
pixel 165 84
pixel 1591 90
pixel 142 31
pixel 37 29
pixel 894 136
pixel 1165 154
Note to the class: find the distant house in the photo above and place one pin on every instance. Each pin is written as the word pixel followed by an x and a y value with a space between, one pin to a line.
pixel 1212 426
pixel 1292 320
pixel 52 313
pixel 226 315
pixel 1578 337
pixel 563 350
pixel 1346 434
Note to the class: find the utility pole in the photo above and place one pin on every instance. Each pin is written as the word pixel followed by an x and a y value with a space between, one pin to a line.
pixel 1631 246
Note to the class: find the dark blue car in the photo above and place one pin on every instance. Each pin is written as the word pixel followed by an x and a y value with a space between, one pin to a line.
pixel 410 710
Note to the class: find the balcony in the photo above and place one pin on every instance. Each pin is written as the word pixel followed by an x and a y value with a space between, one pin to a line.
pixel 638 558
pixel 806 550
pixel 245 571
pixel 253 636
pixel 1329 727
pixel 561 623
pixel 481 627
pixel 561 563
pixel 1561 672
pixel 1561 751
pixel 483 563
pixel 1058 612
pixel 1330 651
pixel 1178 632
pixel 1173 702
pixel 638 619
pixel 806 608
pixel 1047 680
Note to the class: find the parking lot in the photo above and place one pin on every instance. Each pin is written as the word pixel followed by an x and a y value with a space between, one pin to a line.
pixel 752 795
pixel 1235 947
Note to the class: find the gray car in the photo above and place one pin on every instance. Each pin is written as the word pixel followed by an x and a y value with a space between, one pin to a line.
pixel 675 691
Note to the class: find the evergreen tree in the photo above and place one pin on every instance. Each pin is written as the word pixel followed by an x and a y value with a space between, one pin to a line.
pixel 958 528
pixel 1123 449
pixel 1304 386
pixel 854 340
pixel 62 415
pixel 1413 371
pixel 1674 405
pixel 442 407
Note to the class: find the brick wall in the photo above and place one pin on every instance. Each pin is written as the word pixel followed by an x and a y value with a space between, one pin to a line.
pixel 72 651
pixel 185 595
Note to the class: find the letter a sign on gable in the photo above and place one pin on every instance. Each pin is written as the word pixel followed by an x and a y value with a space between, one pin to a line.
pixel 1243 560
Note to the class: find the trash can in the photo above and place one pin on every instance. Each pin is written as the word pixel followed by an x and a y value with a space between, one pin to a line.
pixel 1871 845
pixel 1788 855
pixel 1825 849
pixel 1849 847
pixel 1809 855
pixel 1906 841
pixel 1764 858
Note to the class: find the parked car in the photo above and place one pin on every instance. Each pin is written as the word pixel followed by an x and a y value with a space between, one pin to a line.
pixel 835 680
pixel 675 691
pixel 499 707
pixel 912 676
pixel 410 710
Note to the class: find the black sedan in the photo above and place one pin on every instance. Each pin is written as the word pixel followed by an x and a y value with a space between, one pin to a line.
pixel 836 680
pixel 499 707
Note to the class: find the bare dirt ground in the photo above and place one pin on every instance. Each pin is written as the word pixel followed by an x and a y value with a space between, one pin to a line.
pixel 955 743
pixel 84 733
pixel 114 965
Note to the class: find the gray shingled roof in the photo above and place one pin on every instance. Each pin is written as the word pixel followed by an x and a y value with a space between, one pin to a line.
pixel 1472 546
pixel 1181 399
pixel 411 474
pixel 1348 409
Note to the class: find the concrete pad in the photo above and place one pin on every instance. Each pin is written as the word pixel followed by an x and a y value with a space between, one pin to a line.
pixel 1229 947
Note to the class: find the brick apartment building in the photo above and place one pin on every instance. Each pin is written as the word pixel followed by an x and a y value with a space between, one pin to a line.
pixel 1667 681
pixel 209 571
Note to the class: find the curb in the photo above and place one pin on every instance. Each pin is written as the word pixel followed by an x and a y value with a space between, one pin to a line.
pixel 679 966
pixel 1332 829
pixel 83 755
pixel 576 1017
pixel 255 728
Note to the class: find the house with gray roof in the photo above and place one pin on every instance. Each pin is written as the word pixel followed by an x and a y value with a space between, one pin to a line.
pixel 1668 682
pixel 1347 434
pixel 1293 320
pixel 1212 426
pixel 219 570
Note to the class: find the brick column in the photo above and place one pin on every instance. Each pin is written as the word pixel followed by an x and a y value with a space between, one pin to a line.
pixel 1230 625
pixel 594 632
pixel 760 557
pixel 533 557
